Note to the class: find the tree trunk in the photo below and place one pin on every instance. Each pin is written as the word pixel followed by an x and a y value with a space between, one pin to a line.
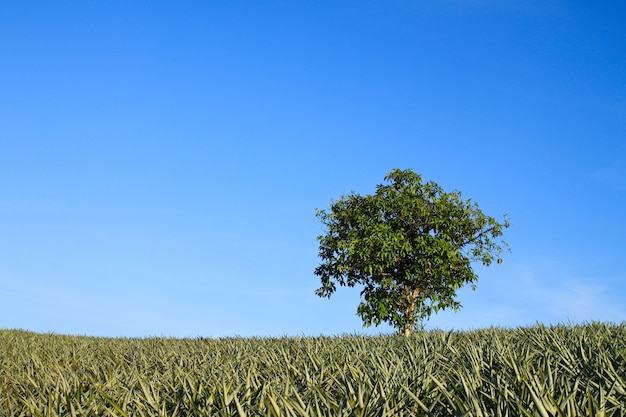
pixel 409 311
pixel 408 329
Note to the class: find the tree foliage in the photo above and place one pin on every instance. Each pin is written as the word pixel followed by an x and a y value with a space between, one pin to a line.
pixel 410 245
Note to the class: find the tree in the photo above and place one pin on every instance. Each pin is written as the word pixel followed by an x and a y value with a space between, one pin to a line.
pixel 410 245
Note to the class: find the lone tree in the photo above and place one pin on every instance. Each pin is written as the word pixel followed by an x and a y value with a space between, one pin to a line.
pixel 410 245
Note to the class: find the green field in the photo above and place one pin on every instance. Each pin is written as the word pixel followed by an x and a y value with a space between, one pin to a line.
pixel 535 371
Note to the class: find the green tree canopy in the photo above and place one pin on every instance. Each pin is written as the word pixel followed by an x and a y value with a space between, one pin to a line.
pixel 410 245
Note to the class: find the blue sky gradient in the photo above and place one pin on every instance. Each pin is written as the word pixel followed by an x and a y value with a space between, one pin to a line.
pixel 161 162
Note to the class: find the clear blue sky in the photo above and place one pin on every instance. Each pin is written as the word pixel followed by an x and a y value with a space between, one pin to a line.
pixel 160 162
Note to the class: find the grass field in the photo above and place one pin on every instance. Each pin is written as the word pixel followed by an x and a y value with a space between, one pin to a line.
pixel 574 370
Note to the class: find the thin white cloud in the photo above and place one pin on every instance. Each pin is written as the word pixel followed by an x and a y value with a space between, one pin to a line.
pixel 549 298
pixel 580 300
pixel 523 295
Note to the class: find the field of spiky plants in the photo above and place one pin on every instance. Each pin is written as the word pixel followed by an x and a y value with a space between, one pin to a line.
pixel 536 371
